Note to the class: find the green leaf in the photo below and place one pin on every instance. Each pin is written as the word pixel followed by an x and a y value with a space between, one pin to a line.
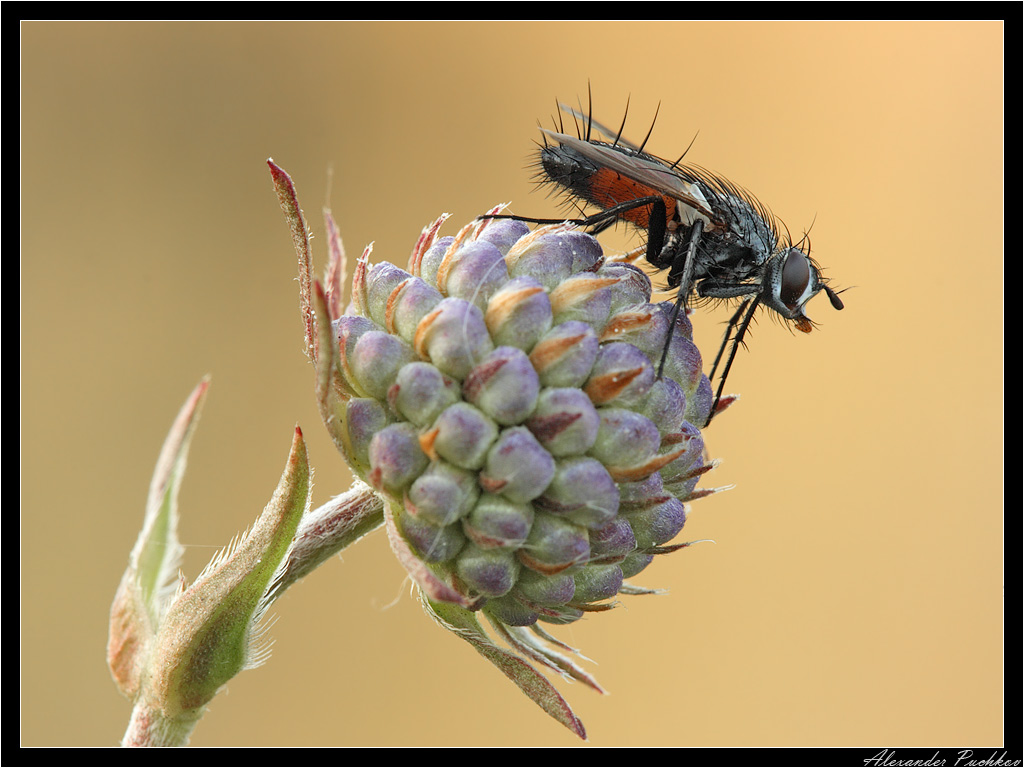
pixel 531 682
pixel 210 631
pixel 150 578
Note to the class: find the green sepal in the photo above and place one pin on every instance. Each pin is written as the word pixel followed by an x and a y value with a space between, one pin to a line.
pixel 149 581
pixel 211 630
pixel 530 681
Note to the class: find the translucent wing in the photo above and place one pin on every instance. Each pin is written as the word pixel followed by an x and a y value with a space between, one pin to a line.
pixel 643 169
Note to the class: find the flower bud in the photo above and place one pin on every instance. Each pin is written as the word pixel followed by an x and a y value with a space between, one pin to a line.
pixel 529 417
pixel 462 435
pixel 504 386
pixel 496 521
pixel 517 466
pixel 510 402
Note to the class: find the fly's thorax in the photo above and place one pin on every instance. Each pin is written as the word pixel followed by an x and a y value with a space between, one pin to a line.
pixel 745 226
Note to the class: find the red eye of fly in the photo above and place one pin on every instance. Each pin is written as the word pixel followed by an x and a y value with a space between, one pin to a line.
pixel 796 275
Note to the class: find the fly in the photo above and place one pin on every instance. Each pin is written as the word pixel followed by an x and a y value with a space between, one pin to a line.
pixel 714 238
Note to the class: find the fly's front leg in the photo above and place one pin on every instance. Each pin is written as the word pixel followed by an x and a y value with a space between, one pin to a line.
pixel 684 285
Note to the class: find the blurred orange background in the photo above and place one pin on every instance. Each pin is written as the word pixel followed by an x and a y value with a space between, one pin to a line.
pixel 854 595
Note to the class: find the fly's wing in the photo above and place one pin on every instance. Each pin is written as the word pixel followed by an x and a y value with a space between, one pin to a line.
pixel 649 173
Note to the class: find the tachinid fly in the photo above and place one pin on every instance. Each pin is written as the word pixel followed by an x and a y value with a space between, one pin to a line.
pixel 715 239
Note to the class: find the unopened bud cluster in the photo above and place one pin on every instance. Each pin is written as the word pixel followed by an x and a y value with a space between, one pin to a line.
pixel 505 396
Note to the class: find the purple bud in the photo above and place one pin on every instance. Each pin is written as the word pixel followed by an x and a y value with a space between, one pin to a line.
pixel 503 385
pixel 503 233
pixel 555 545
pixel 643 326
pixel 544 259
pixel 625 438
pixel 633 286
pixel 454 337
pixel 565 421
pixel 476 274
pixel 348 329
pixel 634 564
pixel 364 418
pixel 587 254
pixel 410 305
pixel 612 542
pixel 698 402
pixel 681 469
pixel 683 326
pixel 641 493
pixel 381 281
pixel 519 313
pixel 566 355
pixel 488 572
pixel 683 362
pixel 582 491
pixel 463 435
pixel 376 360
pixel 584 297
pixel 396 458
pixel 510 612
pixel 432 543
pixel 517 466
pixel 622 375
pixel 442 494
pixel 540 589
pixel 665 405
pixel 495 521
pixel 421 392
pixel 658 523
pixel 597 582
pixel 431 261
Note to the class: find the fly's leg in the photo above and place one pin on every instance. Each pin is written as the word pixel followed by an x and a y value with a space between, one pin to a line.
pixel 683 270
pixel 738 323
pixel 599 222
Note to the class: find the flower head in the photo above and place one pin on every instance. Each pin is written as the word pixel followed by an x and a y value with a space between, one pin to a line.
pixel 501 392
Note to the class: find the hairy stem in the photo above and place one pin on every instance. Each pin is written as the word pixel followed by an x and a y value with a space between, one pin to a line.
pixel 326 531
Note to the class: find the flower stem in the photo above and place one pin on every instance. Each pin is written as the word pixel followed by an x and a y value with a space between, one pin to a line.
pixel 327 530
pixel 149 728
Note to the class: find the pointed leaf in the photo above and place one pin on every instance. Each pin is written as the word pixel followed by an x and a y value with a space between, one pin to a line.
pixel 331 389
pixel 157 553
pixel 300 238
pixel 337 267
pixel 531 682
pixel 149 579
pixel 208 633
pixel 524 642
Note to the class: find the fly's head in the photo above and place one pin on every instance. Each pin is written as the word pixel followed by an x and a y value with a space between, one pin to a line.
pixel 794 279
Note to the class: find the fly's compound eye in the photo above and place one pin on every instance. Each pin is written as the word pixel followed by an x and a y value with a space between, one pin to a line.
pixel 796 280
